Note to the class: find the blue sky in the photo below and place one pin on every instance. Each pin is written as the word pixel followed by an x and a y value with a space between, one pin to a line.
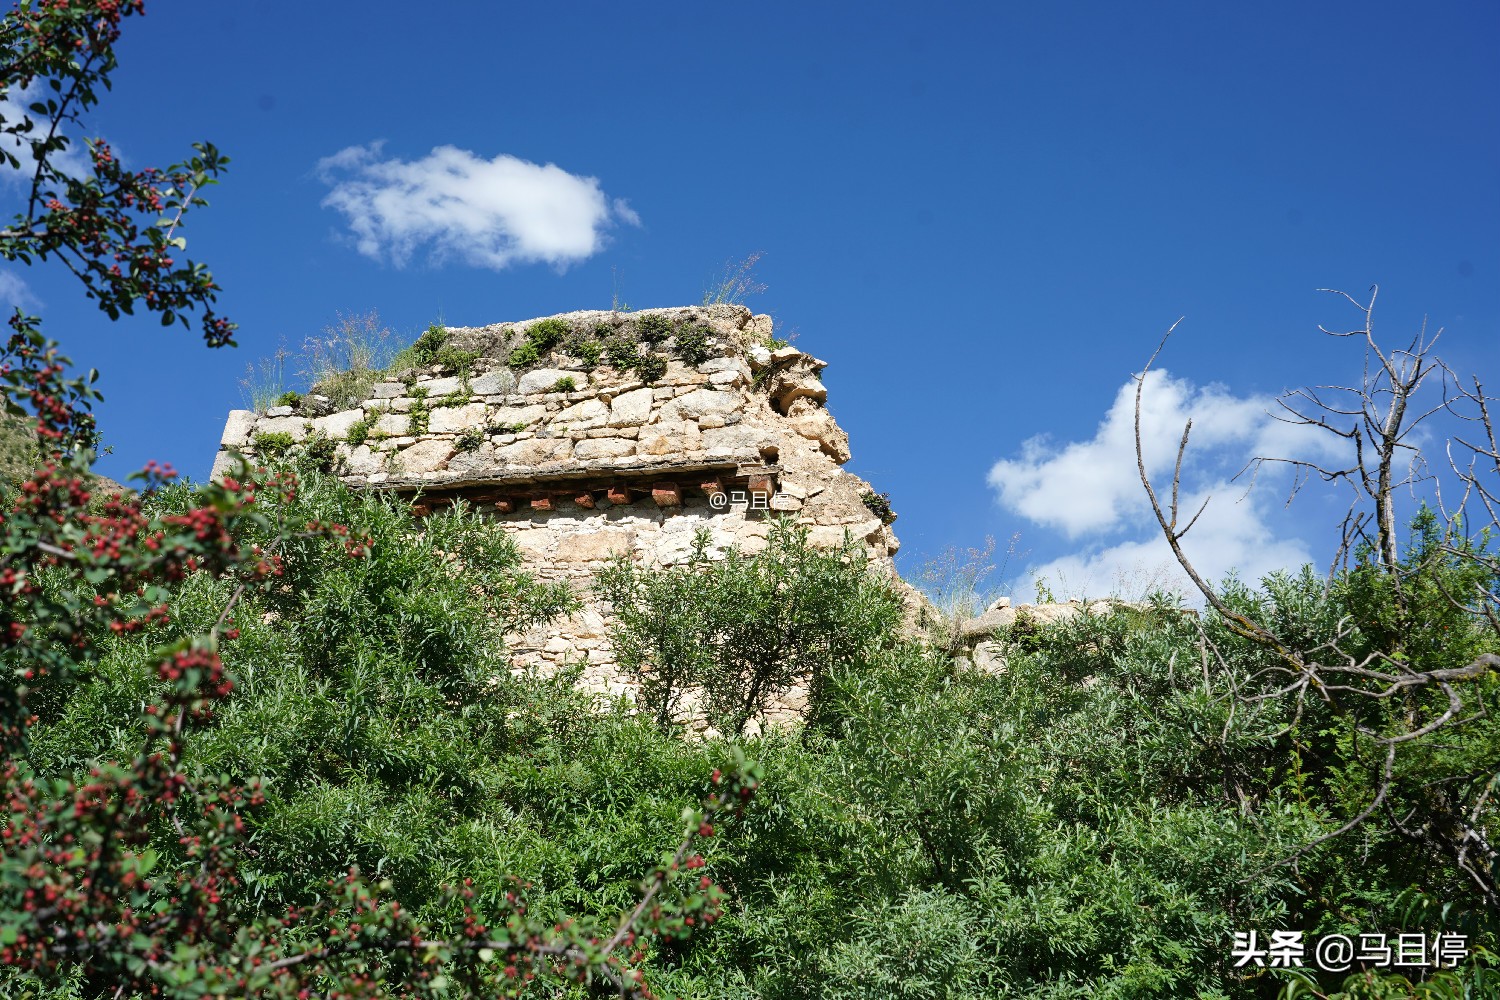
pixel 982 215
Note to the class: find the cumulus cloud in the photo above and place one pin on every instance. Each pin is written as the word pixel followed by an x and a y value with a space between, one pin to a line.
pixel 1090 493
pixel 486 213
pixel 1234 534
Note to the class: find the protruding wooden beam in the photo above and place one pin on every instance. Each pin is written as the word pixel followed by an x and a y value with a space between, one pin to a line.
pixel 618 494
pixel 667 494
pixel 585 500
pixel 542 502
pixel 505 506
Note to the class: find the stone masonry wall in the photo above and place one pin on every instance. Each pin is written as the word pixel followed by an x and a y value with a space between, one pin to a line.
pixel 614 464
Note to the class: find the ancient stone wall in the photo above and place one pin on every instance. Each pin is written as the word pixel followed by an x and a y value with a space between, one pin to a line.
pixel 581 460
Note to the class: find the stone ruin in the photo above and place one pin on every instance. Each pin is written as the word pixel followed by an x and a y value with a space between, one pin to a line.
pixel 581 462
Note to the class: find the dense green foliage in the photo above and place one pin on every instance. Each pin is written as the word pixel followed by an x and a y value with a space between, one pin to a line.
pixel 1097 820
pixel 745 630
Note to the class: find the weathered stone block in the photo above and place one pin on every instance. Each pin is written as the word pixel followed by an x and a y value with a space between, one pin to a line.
pixel 360 461
pixel 513 415
pixel 630 409
pixel 595 546
pixel 535 451
pixel 583 415
pixel 295 426
pixel 496 383
pixel 451 419
pixel 223 462
pixel 596 448
pixel 703 402
pixel 336 425
pixel 543 379
pixel 425 456
pixel 392 423
pixel 237 429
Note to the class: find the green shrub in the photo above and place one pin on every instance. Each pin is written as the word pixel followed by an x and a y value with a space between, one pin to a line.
pixel 273 444
pixel 420 413
pixel 524 356
pixel 541 337
pixel 587 350
pixel 692 344
pixel 455 359
pixel 880 506
pixel 321 451
pixel 564 384
pixel 548 333
pixel 747 628
pixel 651 367
pixel 622 352
pixel 653 328
pixel 470 438
pixel 359 431
pixel 289 398
pixel 425 350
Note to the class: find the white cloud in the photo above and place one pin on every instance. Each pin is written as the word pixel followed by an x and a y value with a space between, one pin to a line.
pixel 487 213
pixel 15 293
pixel 72 161
pixel 1232 535
pixel 1090 491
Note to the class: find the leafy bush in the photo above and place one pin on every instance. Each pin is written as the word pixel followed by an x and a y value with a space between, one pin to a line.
pixel 692 344
pixel 289 398
pixel 747 628
pixel 359 431
pixel 653 328
pixel 455 359
pixel 541 337
pixel 469 438
pixel 524 356
pixel 622 352
pixel 651 367
pixel 588 350
pixel 564 384
pixel 422 352
pixel 273 443
pixel 420 413
pixel 879 505
pixel 320 451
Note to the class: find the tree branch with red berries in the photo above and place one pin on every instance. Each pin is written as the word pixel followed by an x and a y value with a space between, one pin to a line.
pixel 126 878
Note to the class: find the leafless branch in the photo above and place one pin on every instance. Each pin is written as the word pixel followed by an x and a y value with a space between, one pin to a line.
pixel 1378 420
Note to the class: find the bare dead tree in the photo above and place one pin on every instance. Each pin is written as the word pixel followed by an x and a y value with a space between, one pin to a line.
pixel 1379 418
